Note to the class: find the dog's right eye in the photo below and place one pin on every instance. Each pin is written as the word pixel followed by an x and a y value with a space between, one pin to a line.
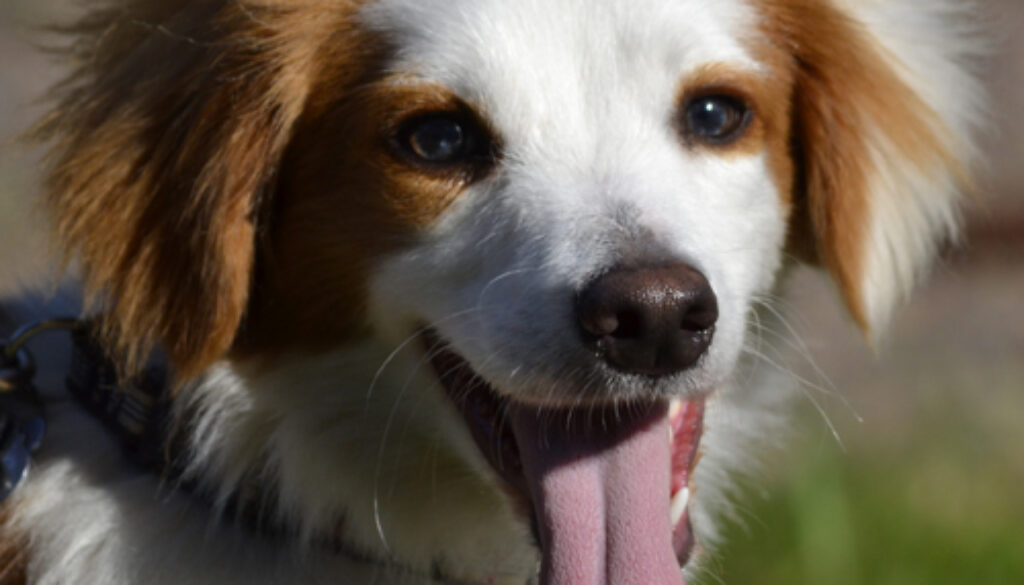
pixel 442 140
pixel 437 140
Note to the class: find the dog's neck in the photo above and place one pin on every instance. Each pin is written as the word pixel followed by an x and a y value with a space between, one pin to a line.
pixel 348 447
pixel 337 449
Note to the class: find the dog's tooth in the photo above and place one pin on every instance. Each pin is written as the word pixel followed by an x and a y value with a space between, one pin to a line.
pixel 674 408
pixel 679 502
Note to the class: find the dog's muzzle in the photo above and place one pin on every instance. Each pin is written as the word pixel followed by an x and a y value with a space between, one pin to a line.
pixel 606 479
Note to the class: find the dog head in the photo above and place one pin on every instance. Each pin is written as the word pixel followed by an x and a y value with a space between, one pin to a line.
pixel 537 223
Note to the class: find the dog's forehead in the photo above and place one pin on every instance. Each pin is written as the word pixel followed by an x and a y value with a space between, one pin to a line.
pixel 547 61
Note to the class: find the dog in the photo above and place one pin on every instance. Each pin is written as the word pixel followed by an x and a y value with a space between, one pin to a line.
pixel 465 291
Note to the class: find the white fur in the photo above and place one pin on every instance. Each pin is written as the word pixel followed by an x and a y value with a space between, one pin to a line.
pixel 933 45
pixel 583 95
pixel 593 171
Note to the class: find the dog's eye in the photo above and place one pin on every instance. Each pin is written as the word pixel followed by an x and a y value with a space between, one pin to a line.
pixel 716 119
pixel 437 140
pixel 442 140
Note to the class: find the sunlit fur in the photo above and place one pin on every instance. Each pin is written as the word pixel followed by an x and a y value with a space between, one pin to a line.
pixel 218 171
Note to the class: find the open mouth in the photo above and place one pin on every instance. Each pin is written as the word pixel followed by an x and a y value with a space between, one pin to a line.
pixel 607 486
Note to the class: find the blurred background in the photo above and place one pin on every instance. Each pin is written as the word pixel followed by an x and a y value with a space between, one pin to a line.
pixel 925 483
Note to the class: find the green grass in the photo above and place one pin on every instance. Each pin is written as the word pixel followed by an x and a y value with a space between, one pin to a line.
pixel 943 506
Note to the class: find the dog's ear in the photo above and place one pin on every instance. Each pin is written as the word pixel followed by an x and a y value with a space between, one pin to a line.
pixel 883 115
pixel 161 146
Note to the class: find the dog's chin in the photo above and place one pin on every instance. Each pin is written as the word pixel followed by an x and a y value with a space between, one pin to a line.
pixel 606 479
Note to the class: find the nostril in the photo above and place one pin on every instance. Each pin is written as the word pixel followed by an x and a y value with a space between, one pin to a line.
pixel 630 325
pixel 620 324
pixel 599 324
pixel 701 315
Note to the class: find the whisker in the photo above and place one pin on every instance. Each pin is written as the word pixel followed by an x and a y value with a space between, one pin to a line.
pixel 491 283
pixel 803 383
pixel 414 336
pixel 796 342
pixel 389 423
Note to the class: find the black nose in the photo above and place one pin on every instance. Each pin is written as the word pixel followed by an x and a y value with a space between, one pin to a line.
pixel 655 320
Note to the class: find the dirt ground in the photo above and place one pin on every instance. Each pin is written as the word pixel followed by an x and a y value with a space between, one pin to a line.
pixel 960 341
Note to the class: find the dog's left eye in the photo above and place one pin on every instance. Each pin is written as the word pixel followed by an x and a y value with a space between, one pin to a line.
pixel 716 119
pixel 442 140
pixel 437 140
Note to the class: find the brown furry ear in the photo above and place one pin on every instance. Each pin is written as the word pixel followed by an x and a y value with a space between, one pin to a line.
pixel 163 142
pixel 883 110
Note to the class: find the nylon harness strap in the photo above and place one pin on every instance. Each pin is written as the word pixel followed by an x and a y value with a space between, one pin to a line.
pixel 136 411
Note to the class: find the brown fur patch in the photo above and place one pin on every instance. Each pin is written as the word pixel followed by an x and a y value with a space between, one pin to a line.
pixel 165 140
pixel 847 101
pixel 222 171
pixel 345 200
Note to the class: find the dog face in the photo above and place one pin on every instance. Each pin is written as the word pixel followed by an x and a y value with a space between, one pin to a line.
pixel 589 159
pixel 483 219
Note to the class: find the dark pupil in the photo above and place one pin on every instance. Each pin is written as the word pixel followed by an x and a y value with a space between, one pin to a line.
pixel 713 117
pixel 437 140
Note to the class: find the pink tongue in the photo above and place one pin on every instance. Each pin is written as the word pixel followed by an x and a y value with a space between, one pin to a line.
pixel 600 489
